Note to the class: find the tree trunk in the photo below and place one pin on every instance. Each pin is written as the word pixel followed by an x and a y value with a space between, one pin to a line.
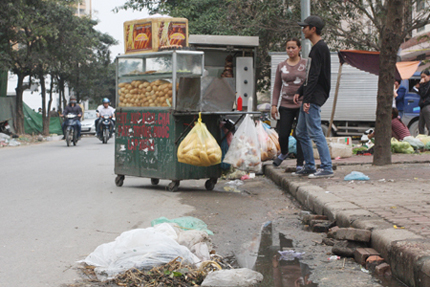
pixel 390 43
pixel 63 94
pixel 19 121
pixel 45 119
pixel 51 87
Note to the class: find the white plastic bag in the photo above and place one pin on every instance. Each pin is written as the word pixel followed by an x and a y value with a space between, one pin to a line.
pixel 244 152
pixel 415 143
pixel 267 146
pixel 233 277
pixel 138 248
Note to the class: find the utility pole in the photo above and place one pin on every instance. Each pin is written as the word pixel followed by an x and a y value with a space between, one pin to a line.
pixel 306 12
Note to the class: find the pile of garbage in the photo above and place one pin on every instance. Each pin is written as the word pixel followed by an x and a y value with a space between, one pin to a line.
pixel 175 252
pixel 6 140
pixel 15 140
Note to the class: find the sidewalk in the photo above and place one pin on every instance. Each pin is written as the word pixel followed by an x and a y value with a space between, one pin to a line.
pixel 394 204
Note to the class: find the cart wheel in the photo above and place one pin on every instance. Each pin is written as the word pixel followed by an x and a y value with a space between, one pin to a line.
pixel 119 180
pixel 173 186
pixel 155 181
pixel 210 183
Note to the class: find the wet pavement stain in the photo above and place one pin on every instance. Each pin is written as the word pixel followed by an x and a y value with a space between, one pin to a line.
pixel 288 270
pixel 277 271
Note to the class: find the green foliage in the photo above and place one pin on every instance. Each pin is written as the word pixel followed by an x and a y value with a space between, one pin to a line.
pixel 41 37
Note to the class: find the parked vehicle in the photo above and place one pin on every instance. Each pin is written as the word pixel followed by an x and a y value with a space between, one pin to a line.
pixel 411 112
pixel 106 128
pixel 5 128
pixel 71 134
pixel 87 124
pixel 357 100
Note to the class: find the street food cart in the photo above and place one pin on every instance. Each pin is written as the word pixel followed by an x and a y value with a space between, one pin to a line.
pixel 159 97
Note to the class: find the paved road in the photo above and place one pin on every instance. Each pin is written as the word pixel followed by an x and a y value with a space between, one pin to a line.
pixel 59 203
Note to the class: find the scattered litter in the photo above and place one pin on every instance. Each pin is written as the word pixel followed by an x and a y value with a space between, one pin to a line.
pixel 236 174
pixel 393 207
pixel 396 227
pixel 333 258
pixel 337 158
pixel 14 142
pixel 382 180
pixel 303 213
pixel 142 248
pixel 390 180
pixel 236 182
pixel 251 175
pixel 4 136
pixel 234 277
pixel 356 175
pixel 231 189
pixel 289 255
pixel 174 273
pixel 364 270
pixel 327 191
pixel 185 223
pixel 245 177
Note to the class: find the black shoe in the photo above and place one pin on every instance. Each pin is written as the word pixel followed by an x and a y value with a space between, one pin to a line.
pixel 277 161
pixel 322 173
pixel 304 172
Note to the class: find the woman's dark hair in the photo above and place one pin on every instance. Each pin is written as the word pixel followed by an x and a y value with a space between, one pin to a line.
pixel 426 72
pixel 299 44
pixel 394 113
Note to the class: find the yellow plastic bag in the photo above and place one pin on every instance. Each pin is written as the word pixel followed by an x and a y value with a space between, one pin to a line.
pixel 199 147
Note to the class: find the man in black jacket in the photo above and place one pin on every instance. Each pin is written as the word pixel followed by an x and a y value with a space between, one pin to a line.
pixel 73 108
pixel 315 91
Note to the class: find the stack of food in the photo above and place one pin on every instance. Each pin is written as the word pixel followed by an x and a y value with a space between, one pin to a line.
pixel 199 148
pixel 228 70
pixel 146 94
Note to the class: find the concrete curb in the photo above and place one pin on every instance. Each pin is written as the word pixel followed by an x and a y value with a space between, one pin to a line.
pixel 407 253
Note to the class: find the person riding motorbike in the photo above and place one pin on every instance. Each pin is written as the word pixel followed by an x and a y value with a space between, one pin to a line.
pixel 104 110
pixel 72 108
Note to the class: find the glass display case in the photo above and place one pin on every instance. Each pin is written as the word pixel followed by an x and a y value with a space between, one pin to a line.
pixel 167 80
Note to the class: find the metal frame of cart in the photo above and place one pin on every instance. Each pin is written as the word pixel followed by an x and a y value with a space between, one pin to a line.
pixel 147 137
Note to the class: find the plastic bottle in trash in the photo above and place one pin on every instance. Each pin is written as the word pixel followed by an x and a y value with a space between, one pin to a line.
pixel 239 103
pixel 333 258
pixel 250 104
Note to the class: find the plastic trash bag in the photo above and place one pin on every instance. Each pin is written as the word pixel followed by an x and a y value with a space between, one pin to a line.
pixel 414 142
pixel 199 147
pixel 273 136
pixel 427 146
pixel 267 146
pixel 138 248
pixel 185 223
pixel 356 175
pixel 401 147
pixel 234 277
pixel 424 139
pixel 14 142
pixel 290 255
pixel 244 151
pixel 292 145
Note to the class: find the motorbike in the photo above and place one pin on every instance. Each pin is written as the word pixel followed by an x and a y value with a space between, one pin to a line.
pixel 5 128
pixel 71 131
pixel 105 132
